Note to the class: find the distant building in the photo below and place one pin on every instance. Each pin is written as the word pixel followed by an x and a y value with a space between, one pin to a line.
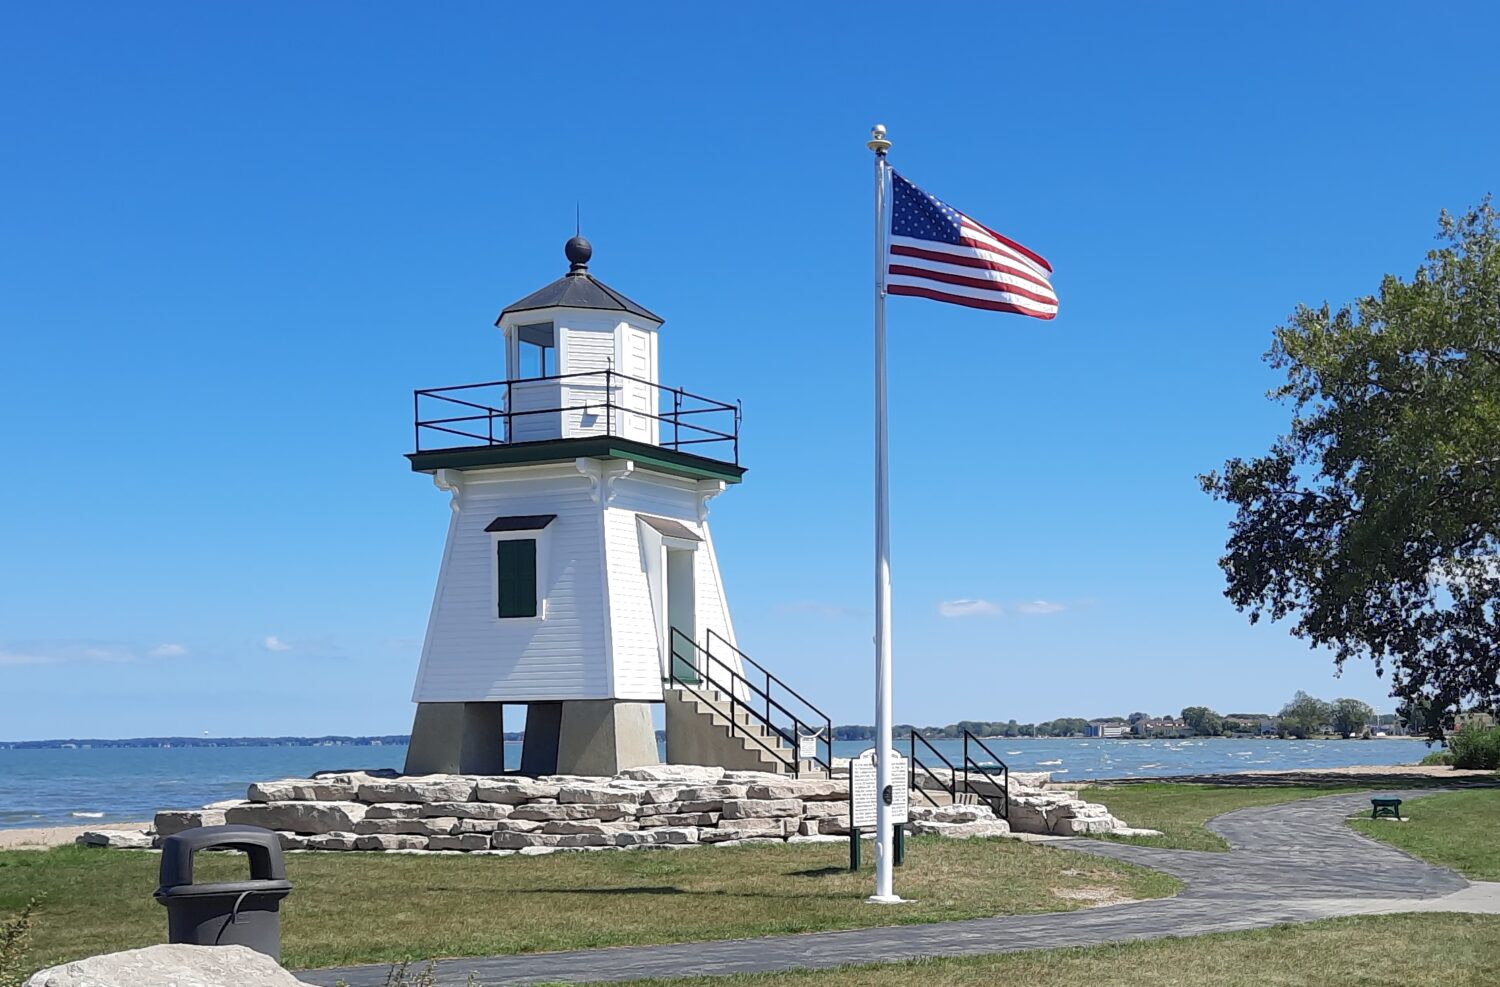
pixel 1107 730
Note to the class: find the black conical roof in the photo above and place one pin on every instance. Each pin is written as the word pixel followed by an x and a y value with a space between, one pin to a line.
pixel 578 289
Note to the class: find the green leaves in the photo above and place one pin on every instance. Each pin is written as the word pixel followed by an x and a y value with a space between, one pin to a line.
pixel 1374 522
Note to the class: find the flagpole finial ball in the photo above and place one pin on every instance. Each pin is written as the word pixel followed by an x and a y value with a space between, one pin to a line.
pixel 877 141
pixel 578 251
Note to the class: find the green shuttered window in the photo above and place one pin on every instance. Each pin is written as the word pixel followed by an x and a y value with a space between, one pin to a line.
pixel 516 592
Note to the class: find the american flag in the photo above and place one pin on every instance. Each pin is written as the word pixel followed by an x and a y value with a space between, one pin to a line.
pixel 937 252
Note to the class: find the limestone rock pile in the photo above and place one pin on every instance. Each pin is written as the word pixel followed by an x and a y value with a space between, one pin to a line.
pixel 665 806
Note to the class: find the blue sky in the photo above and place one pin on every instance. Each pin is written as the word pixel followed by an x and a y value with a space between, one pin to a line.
pixel 236 237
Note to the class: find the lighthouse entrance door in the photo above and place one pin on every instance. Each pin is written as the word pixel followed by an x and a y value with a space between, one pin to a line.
pixel 682 610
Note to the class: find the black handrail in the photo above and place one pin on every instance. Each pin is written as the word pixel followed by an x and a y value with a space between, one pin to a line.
pixel 914 762
pixel 612 380
pixel 1004 811
pixel 826 738
pixel 734 700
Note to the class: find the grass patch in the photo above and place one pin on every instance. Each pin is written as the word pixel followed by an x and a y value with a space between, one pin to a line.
pixel 1372 951
pixel 1460 830
pixel 1180 811
pixel 362 908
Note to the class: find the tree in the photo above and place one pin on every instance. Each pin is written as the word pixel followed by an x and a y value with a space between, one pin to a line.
pixel 1375 521
pixel 1203 721
pixel 1350 716
pixel 1304 715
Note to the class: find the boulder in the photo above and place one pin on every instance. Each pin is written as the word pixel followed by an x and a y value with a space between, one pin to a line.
pixel 605 812
pixel 518 825
pixel 751 777
pixel 291 841
pixel 808 789
pixel 390 841
pixel 400 810
pixel 963 830
pixel 670 808
pixel 514 791
pixel 567 826
pixel 424 788
pixel 460 841
pixel 657 796
pixel 332 841
pixel 585 840
pixel 951 813
pixel 116 839
pixel 683 819
pixel 299 817
pixel 825 810
pixel 468 810
pixel 808 827
pixel 391 827
pixel 597 796
pixel 689 774
pixel 761 808
pixel 504 840
pixel 675 835
pixel 711 793
pixel 178 966
pixel 170 821
pixel 335 788
pixel 745 828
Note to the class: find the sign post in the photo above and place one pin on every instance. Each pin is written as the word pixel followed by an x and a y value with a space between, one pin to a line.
pixel 867 799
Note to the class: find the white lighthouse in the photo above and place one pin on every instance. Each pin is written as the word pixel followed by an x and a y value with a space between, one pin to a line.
pixel 579 578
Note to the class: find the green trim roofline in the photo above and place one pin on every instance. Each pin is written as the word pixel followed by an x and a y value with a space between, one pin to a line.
pixel 563 450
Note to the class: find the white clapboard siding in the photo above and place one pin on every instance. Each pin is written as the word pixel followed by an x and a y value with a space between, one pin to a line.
pixel 645 492
pixel 637 660
pixel 469 654
pixel 586 346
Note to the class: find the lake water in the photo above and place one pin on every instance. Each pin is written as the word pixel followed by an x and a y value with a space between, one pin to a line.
pixel 85 786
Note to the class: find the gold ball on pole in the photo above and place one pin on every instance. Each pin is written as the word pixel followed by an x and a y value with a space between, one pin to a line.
pixel 877 141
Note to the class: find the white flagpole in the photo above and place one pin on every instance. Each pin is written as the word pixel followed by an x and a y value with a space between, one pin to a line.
pixel 884 832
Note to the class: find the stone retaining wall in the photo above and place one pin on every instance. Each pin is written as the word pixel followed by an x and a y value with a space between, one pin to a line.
pixel 665 806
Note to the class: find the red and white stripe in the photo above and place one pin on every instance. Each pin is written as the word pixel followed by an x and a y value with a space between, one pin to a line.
pixel 982 270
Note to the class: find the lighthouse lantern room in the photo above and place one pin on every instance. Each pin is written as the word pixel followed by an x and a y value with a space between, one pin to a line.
pixel 579 577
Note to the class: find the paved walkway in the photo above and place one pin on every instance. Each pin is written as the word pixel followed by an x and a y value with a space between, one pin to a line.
pixel 1295 862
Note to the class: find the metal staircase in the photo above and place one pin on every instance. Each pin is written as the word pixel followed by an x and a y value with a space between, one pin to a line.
pixel 937 781
pixel 742 717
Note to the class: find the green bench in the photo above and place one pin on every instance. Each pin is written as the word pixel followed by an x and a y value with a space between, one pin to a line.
pixel 1380 806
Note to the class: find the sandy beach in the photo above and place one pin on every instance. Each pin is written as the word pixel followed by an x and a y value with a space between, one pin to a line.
pixel 51 836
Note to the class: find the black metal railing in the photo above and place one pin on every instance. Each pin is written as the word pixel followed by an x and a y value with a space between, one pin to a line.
pixel 487 414
pixel 914 764
pixel 807 715
pixel 989 770
pixel 691 667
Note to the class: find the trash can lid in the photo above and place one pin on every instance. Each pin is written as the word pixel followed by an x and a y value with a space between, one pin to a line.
pixel 262 846
pixel 251 888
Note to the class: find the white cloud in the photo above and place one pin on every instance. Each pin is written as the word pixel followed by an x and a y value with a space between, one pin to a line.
pixel 25 658
pixel 968 608
pixel 168 651
pixel 274 643
pixel 58 652
pixel 1040 607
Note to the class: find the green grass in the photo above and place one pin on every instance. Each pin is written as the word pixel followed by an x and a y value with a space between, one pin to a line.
pixel 1460 830
pixel 1373 951
pixel 1180 811
pixel 356 908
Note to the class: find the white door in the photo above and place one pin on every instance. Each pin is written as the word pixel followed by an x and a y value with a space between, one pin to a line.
pixel 682 614
pixel 635 392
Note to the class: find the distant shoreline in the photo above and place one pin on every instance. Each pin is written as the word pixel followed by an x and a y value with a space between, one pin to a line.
pixel 401 740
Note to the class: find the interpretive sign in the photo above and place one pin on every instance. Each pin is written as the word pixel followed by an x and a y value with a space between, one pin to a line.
pixel 807 746
pixel 863 792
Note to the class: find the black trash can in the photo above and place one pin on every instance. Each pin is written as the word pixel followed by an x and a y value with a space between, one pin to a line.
pixel 230 913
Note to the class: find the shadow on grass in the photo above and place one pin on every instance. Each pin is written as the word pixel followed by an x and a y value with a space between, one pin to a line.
pixel 656 890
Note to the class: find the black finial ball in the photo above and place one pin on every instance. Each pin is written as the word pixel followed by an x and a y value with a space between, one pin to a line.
pixel 578 251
